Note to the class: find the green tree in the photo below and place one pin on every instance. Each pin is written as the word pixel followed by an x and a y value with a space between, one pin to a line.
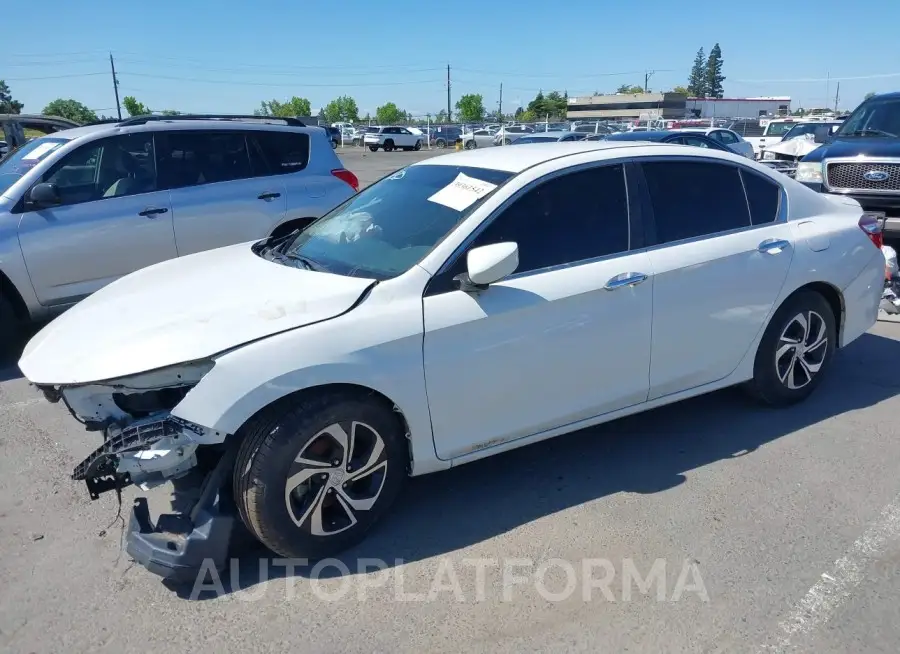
pixel 630 90
pixel 556 105
pixel 170 112
pixel 7 104
pixel 135 108
pixel 470 108
pixel 870 94
pixel 683 90
pixel 71 109
pixel 537 106
pixel 696 86
pixel 341 109
pixel 441 117
pixel 714 76
pixel 388 114
pixel 293 107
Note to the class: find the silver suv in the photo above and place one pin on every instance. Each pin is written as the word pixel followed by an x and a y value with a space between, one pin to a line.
pixel 82 207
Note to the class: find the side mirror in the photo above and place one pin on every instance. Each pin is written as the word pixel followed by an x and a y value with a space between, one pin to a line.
pixel 44 195
pixel 487 265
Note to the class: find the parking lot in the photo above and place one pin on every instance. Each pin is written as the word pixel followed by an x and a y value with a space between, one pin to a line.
pixel 779 530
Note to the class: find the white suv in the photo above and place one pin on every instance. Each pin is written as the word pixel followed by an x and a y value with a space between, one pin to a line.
pixel 392 138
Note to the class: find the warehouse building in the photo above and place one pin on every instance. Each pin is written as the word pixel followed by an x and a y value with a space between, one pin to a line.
pixel 650 106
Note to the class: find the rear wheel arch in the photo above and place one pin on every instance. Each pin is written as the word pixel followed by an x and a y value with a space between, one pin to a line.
pixel 833 297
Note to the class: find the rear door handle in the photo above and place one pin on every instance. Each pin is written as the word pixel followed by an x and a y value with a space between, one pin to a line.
pixel 151 212
pixel 268 196
pixel 773 246
pixel 625 279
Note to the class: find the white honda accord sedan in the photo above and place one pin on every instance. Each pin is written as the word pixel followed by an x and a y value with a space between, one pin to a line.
pixel 463 306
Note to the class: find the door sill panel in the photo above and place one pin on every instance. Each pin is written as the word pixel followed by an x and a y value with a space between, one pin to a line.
pixel 514 443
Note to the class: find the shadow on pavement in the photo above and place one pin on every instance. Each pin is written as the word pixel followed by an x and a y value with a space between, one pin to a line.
pixel 646 453
pixel 10 354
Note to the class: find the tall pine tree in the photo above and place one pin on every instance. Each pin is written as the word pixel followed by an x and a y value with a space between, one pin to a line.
pixel 697 81
pixel 714 76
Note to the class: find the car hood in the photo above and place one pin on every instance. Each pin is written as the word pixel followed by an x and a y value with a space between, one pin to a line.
pixel 796 147
pixel 855 146
pixel 183 310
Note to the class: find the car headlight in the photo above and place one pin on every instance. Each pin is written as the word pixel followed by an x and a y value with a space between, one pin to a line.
pixel 768 155
pixel 809 171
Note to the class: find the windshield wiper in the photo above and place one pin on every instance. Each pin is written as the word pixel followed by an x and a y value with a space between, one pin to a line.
pixel 274 244
pixel 870 130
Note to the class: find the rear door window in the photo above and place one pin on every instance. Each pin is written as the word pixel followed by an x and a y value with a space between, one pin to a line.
pixel 695 198
pixel 191 158
pixel 284 152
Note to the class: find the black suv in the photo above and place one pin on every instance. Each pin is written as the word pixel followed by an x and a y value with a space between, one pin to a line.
pixel 862 160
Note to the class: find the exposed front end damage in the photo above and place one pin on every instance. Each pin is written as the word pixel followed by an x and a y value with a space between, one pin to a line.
pixel 145 445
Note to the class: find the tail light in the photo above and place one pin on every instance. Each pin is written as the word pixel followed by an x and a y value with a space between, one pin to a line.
pixel 872 224
pixel 346 176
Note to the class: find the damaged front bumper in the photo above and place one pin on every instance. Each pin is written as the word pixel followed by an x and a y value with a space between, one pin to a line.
pixel 145 445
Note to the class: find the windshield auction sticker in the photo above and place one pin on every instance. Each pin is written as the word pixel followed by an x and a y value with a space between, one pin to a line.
pixel 462 192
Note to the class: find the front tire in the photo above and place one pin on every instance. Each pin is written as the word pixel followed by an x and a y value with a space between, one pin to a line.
pixel 10 328
pixel 418 145
pixel 440 143
pixel 470 145
pixel 388 145
pixel 795 351
pixel 312 478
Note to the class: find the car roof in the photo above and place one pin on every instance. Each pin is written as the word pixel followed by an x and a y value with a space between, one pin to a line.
pixel 111 129
pixel 650 135
pixel 516 158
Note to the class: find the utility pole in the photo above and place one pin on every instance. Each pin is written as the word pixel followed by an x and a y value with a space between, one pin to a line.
pixel 500 110
pixel 448 94
pixel 112 66
pixel 647 75
pixel 837 97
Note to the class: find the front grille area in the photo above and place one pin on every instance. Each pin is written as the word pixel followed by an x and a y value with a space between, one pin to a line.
pixel 851 176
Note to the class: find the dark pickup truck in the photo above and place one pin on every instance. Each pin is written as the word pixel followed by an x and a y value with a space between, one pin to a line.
pixel 862 160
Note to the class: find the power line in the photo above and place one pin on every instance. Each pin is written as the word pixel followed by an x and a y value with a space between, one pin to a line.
pixel 815 79
pixel 292 85
pixel 29 79
pixel 557 75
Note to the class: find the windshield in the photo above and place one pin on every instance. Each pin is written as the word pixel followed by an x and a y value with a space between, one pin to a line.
pixel 810 128
pixel 20 161
pixel 877 117
pixel 390 226
pixel 778 129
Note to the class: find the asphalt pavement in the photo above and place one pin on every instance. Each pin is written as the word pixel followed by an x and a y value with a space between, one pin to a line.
pixel 708 526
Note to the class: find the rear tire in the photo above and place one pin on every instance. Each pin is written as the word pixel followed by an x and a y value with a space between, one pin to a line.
pixel 440 143
pixel 795 351
pixel 373 148
pixel 311 478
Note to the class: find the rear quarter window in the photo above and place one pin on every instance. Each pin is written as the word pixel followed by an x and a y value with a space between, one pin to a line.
pixel 284 152
pixel 763 196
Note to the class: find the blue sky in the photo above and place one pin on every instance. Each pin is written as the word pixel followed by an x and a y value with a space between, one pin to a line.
pixel 229 55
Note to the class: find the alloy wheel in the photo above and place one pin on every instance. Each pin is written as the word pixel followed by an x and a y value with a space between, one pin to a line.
pixel 802 348
pixel 338 473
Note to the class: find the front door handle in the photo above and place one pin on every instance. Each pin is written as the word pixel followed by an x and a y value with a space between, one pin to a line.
pixel 773 246
pixel 625 279
pixel 152 212
pixel 268 196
